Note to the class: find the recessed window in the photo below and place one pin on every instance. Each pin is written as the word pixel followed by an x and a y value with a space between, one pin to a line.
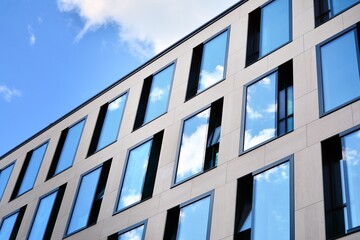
pixel 140 171
pixel 208 64
pixel 200 142
pixel 264 208
pixel 341 175
pixel 108 124
pixel 269 29
pixel 66 149
pixel 87 203
pixel 269 109
pixel 135 232
pixel 190 220
pixel 5 174
pixel 10 224
pixel 46 214
pixel 339 77
pixel 326 9
pixel 29 171
pixel 155 96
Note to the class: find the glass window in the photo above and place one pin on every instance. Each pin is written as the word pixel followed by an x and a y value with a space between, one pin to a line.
pixel 208 64
pixel 67 147
pixel 326 9
pixel 269 107
pixel 10 224
pixel 5 174
pixel 264 205
pixel 341 158
pixel 46 213
pixel 88 197
pixel 338 6
pixel 340 71
pixel 136 233
pixel 200 142
pixel 29 171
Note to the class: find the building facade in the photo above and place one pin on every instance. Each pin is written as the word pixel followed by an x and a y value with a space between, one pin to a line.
pixel 247 128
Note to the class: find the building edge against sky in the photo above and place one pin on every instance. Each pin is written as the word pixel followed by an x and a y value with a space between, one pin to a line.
pixel 257 136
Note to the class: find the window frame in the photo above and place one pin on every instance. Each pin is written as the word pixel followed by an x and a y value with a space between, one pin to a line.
pixel 290 160
pixel 320 81
pixel 5 167
pixel 196 63
pixel 94 141
pixel 59 148
pixel 160 136
pixel 140 114
pixel 18 221
pixel 116 235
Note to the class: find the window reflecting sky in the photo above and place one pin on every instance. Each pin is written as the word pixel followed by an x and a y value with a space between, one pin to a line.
pixel 159 94
pixel 351 154
pixel 271 206
pixel 193 145
pixel 32 169
pixel 193 220
pixel 134 234
pixel 71 143
pixel 5 174
pixel 7 226
pixel 132 187
pixel 275 26
pixel 340 5
pixel 340 71
pixel 112 122
pixel 213 62
pixel 42 217
pixel 260 122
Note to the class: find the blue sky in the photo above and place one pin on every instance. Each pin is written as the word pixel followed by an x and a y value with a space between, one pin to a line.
pixel 54 55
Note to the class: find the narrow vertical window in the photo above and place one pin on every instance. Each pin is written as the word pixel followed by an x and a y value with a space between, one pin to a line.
pixel 264 204
pixel 5 174
pixel 200 142
pixel 326 9
pixel 108 124
pixel 66 149
pixel 190 220
pixel 10 224
pixel 269 107
pixel 29 171
pixel 140 171
pixel 155 96
pixel 46 214
pixel 135 232
pixel 88 199
pixel 208 64
pixel 339 78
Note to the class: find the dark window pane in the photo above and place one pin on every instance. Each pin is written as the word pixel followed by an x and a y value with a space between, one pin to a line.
pixel 194 219
pixel 7 226
pixel 213 62
pixel 282 103
pixel 112 122
pixel 4 178
pixel 340 71
pixel 275 26
pixel 134 234
pixel 290 124
pixel 133 183
pixel 70 146
pixel 159 94
pixel 340 5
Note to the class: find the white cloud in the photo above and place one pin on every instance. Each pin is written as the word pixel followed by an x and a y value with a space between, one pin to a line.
pixel 275 174
pixel 271 108
pixel 352 156
pixel 134 234
pixel 7 94
pixel 156 94
pixel 208 79
pixel 130 198
pixel 32 38
pixel 266 81
pixel 115 104
pixel 252 113
pixel 147 26
pixel 251 141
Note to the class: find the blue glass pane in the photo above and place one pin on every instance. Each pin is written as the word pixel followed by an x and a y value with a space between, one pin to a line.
pixel 4 178
pixel 112 122
pixel 159 94
pixel 271 214
pixel 193 220
pixel 290 97
pixel 193 145
pixel 132 187
pixel 134 234
pixel 71 143
pixel 340 71
pixel 7 226
pixel 213 62
pixel 274 26
pixel 260 121
pixel 42 217
pixel 351 152
pixel 32 169
pixel 84 199
pixel 340 5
